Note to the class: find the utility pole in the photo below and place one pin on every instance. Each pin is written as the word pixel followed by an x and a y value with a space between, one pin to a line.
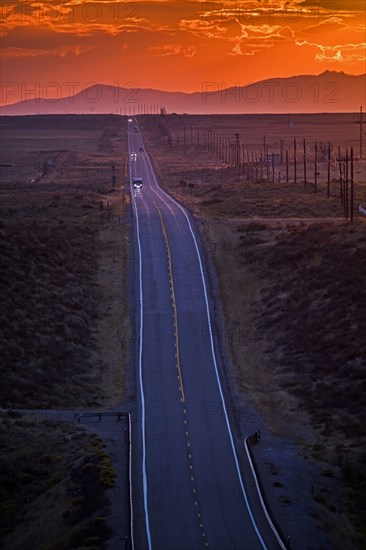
pixel 340 175
pixel 237 153
pixel 346 186
pixel 316 168
pixel 261 161
pixel 361 132
pixel 295 162
pixel 328 190
pixel 352 186
pixel 304 144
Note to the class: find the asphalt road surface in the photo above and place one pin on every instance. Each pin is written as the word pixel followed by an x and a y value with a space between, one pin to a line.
pixel 190 480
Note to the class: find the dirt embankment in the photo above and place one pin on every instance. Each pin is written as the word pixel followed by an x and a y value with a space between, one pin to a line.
pixel 293 283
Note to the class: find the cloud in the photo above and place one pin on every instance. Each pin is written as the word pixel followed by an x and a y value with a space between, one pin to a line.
pixel 200 28
pixel 163 50
pixel 14 52
pixel 97 38
pixel 343 53
pixel 250 49
pixel 256 39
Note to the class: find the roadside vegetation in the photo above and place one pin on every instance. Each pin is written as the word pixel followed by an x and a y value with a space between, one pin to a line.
pixel 64 323
pixel 50 304
pixel 52 485
pixel 308 321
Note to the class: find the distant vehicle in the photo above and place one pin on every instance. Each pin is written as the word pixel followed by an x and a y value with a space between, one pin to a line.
pixel 137 183
pixel 141 149
pixel 130 120
pixel 133 156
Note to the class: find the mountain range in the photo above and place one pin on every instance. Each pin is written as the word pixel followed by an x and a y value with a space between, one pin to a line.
pixel 328 92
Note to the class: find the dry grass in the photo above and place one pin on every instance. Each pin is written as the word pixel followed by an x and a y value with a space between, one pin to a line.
pixel 52 485
pixel 64 327
pixel 64 324
pixel 308 322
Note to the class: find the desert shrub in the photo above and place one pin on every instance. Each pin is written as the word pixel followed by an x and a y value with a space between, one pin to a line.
pixel 37 456
pixel 51 305
pixel 310 320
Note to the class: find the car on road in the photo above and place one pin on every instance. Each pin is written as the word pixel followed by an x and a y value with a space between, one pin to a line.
pixel 141 149
pixel 137 183
pixel 133 156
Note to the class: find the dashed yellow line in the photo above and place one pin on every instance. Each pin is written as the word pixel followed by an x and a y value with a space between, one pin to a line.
pixel 173 304
pixel 179 377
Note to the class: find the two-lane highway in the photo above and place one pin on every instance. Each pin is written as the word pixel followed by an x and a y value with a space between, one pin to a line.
pixel 188 486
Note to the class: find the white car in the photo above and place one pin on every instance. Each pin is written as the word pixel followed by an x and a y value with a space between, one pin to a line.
pixel 137 183
pixel 134 156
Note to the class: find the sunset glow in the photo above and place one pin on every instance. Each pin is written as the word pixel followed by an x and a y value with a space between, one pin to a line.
pixel 174 45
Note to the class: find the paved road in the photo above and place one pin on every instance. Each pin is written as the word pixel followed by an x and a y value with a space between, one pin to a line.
pixel 188 473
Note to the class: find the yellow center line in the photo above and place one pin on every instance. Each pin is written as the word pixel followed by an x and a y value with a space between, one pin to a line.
pixel 173 302
pixel 176 334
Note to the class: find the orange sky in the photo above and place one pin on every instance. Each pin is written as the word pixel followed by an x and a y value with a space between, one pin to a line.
pixel 61 46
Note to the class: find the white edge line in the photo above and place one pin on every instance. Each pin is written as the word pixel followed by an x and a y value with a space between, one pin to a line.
pixel 215 362
pixel 130 476
pixel 144 476
pixel 129 415
pixel 275 532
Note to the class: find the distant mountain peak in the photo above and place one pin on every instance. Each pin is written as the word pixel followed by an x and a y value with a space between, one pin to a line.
pixel 337 73
pixel 330 91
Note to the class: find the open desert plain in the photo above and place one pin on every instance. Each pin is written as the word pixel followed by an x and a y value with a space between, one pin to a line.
pixel 64 324
pixel 276 206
